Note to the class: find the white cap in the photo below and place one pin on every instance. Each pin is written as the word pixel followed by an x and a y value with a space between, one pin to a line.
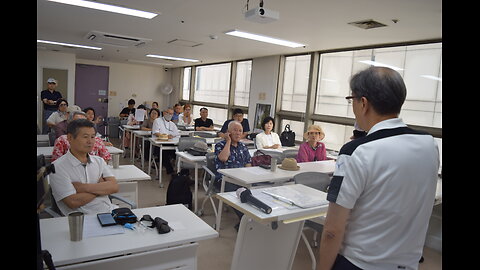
pixel 51 80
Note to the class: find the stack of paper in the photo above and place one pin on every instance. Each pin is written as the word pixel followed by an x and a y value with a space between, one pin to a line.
pixel 299 195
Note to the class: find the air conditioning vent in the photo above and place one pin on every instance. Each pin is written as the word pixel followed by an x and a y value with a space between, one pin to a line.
pixel 116 40
pixel 367 24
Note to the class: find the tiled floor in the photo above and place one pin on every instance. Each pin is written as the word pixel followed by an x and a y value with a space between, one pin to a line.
pixel 216 254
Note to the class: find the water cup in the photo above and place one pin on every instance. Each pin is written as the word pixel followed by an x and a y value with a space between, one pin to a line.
pixel 273 164
pixel 75 224
pixel 116 161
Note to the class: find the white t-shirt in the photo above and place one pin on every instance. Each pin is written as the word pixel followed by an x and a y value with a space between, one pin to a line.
pixel 388 180
pixel 69 169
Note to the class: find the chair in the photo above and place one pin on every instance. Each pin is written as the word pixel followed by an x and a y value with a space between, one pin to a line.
pixel 320 181
pixel 204 134
pixel 54 211
pixel 290 153
pixel 208 183
pixel 183 144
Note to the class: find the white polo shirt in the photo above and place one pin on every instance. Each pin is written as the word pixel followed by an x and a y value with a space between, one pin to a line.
pixel 69 169
pixel 388 180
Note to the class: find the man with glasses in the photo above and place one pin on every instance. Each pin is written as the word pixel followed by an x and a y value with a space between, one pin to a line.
pixel 383 188
pixel 49 98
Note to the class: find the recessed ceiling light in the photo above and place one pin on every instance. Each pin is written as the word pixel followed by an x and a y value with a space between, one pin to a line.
pixel 172 58
pixel 68 44
pixel 266 39
pixel 110 8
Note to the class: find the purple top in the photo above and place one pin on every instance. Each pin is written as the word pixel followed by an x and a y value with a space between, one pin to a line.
pixel 308 154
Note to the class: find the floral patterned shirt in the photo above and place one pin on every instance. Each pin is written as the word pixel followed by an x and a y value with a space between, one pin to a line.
pixel 62 145
pixel 239 157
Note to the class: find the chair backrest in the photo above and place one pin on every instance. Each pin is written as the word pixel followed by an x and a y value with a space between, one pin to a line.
pixel 186 142
pixel 290 153
pixel 204 134
pixel 210 157
pixel 316 180
pixel 279 156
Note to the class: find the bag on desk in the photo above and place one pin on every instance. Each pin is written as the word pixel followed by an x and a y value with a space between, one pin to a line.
pixel 178 190
pixel 260 158
pixel 287 137
pixel 123 215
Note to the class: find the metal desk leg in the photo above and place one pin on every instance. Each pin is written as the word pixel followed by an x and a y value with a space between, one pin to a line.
pixel 143 153
pixel 196 189
pixel 150 159
pixel 220 208
pixel 160 167
pixel 132 151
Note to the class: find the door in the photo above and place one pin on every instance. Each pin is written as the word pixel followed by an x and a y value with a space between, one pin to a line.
pixel 91 90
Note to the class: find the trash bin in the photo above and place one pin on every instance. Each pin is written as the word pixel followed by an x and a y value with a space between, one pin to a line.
pixel 113 123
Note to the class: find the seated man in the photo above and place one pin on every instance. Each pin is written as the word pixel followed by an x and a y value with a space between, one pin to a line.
pixel 164 125
pixel 237 116
pixel 82 182
pixel 203 123
pixel 231 153
pixel 62 144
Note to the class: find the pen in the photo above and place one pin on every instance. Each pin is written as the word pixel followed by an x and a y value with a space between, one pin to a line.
pixel 280 198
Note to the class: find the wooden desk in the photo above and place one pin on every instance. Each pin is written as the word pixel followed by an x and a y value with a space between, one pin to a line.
pixel 132 249
pixel 250 175
pixel 268 241
pixel 127 177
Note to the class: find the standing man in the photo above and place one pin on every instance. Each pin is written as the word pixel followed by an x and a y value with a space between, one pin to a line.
pixel 49 98
pixel 383 188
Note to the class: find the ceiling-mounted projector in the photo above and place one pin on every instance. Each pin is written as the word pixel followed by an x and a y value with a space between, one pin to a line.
pixel 262 15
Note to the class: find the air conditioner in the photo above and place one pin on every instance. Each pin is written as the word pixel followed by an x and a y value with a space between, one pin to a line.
pixel 116 40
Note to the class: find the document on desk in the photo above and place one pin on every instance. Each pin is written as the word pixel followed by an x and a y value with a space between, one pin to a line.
pixel 92 228
pixel 298 195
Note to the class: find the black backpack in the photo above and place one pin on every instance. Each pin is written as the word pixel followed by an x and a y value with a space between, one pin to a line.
pixel 178 190
pixel 287 138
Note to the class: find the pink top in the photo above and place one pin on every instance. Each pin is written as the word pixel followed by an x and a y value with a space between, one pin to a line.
pixel 307 154
pixel 62 145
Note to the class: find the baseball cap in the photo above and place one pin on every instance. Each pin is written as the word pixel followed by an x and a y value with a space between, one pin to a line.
pixel 51 80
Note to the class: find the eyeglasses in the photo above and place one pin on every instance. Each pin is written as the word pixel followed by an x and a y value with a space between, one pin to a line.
pixel 63 104
pixel 313 133
pixel 350 99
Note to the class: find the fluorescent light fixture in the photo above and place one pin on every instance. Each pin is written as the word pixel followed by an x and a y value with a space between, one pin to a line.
pixel 172 58
pixel 110 8
pixel 378 64
pixel 68 44
pixel 266 39
pixel 431 77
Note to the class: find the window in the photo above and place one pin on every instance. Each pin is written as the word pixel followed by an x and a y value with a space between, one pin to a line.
pixel 419 65
pixel 295 83
pixel 212 83
pixel 295 126
pixel 242 83
pixel 217 115
pixel 336 135
pixel 186 83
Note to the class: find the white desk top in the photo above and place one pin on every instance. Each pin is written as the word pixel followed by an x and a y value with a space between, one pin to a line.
pixel 113 150
pixel 187 227
pixel 42 137
pixel 131 127
pixel 250 175
pixel 127 173
pixel 174 141
pixel 279 212
pixel 142 132
pixel 193 158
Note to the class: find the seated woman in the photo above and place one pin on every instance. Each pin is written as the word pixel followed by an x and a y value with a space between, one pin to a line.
pixel 186 118
pixel 268 139
pixel 312 149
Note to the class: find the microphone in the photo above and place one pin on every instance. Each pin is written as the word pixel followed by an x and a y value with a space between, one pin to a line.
pixel 245 196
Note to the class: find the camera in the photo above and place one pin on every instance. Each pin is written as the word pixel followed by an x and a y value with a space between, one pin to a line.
pixel 261 11
pixel 166 69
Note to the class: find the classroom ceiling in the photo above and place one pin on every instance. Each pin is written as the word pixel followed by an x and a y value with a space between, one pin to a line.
pixel 320 24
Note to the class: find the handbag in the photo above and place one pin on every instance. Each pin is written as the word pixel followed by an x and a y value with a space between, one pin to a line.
pixel 123 215
pixel 260 158
pixel 287 137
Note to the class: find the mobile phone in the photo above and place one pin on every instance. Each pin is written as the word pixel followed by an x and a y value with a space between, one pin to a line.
pixel 106 219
